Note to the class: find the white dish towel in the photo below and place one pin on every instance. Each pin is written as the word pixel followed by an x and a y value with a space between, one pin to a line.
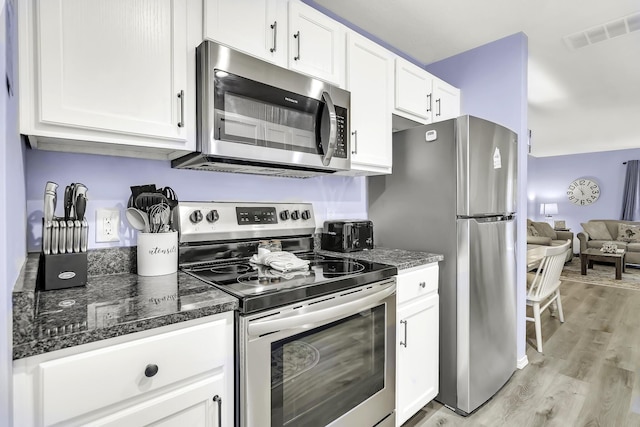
pixel 281 261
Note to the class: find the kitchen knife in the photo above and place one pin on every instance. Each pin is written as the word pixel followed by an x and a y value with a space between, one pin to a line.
pixel 62 237
pixel 69 236
pixel 54 236
pixel 77 230
pixel 46 237
pixel 68 203
pixel 50 199
pixel 84 236
pixel 81 206
pixel 78 190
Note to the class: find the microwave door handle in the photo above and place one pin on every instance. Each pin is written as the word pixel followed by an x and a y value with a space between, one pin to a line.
pixel 328 141
pixel 357 304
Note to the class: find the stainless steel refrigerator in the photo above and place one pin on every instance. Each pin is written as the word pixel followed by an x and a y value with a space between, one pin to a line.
pixel 453 192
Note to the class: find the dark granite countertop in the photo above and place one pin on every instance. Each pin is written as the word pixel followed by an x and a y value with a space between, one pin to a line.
pixel 400 258
pixel 112 304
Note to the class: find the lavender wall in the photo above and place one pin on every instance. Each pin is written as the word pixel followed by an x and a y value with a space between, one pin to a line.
pixel 493 82
pixel 109 178
pixel 549 178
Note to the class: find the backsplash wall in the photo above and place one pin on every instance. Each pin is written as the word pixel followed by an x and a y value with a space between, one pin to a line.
pixel 109 178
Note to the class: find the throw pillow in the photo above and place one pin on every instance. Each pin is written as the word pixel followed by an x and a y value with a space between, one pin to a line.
pixel 532 231
pixel 597 230
pixel 545 230
pixel 628 233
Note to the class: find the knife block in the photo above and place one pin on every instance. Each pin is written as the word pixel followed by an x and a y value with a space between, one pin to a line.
pixel 61 271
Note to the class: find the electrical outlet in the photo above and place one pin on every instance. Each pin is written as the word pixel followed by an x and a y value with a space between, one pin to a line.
pixel 107 225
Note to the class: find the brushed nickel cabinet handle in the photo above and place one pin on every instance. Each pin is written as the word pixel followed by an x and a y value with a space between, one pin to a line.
pixel 405 333
pixel 218 399
pixel 274 27
pixel 181 98
pixel 439 109
pixel 355 142
pixel 297 36
pixel 429 107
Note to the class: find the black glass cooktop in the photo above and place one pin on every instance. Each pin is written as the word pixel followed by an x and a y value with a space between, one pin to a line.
pixel 259 287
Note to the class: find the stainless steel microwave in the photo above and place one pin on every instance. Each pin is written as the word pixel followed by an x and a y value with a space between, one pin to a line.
pixel 255 117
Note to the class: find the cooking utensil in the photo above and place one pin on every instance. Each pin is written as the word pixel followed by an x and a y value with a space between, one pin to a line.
pixel 79 190
pixel 144 201
pixel 159 216
pixel 138 219
pixel 172 198
pixel 136 190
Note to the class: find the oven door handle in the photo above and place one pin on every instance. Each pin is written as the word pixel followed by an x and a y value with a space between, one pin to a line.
pixel 359 303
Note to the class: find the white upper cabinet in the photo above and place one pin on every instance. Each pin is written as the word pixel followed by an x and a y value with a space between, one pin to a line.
pixel 370 81
pixel 422 97
pixel 256 27
pixel 413 91
pixel 446 101
pixel 316 44
pixel 105 71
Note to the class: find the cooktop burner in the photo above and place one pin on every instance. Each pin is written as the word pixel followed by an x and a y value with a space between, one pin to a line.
pixel 258 287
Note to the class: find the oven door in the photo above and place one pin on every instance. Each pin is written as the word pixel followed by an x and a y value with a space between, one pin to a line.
pixel 327 361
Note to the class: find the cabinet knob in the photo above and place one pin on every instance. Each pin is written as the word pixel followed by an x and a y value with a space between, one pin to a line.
pixel 150 370
pixel 423 284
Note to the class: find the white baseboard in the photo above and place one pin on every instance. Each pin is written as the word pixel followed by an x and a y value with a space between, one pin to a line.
pixel 522 362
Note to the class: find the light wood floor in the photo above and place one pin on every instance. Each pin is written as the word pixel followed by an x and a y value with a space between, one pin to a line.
pixel 588 375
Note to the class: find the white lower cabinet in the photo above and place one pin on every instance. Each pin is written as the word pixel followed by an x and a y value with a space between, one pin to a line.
pixel 417 335
pixel 176 375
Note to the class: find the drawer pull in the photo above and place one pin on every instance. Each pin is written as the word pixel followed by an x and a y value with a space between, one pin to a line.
pixel 218 399
pixel 404 343
pixel 423 284
pixel 150 370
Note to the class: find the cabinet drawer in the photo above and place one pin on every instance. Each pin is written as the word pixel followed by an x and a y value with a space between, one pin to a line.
pixel 416 283
pixel 75 385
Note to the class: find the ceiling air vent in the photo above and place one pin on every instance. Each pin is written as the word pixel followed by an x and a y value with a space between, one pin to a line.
pixel 603 32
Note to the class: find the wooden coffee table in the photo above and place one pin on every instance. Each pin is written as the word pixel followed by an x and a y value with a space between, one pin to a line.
pixel 590 255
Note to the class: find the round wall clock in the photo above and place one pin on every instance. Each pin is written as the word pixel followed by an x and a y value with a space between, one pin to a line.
pixel 583 191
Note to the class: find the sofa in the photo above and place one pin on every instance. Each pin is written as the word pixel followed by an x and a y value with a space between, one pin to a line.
pixel 624 234
pixel 542 234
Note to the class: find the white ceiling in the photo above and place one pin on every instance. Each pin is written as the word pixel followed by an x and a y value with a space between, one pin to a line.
pixel 580 101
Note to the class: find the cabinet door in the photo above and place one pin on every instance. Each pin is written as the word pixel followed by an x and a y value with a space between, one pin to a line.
pixel 192 406
pixel 256 27
pixel 446 101
pixel 414 99
pixel 416 356
pixel 113 65
pixel 316 44
pixel 370 79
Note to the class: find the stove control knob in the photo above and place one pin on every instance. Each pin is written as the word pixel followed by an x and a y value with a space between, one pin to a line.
pixel 284 215
pixel 295 214
pixel 306 214
pixel 196 216
pixel 213 216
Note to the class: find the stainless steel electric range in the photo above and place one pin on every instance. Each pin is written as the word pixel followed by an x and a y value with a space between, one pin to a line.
pixel 315 344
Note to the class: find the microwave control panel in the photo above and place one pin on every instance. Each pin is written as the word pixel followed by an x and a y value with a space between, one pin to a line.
pixel 341 137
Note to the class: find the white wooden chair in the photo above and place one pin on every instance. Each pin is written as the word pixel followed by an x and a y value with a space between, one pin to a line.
pixel 544 286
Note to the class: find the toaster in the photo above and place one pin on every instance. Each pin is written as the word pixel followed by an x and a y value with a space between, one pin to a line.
pixel 347 235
